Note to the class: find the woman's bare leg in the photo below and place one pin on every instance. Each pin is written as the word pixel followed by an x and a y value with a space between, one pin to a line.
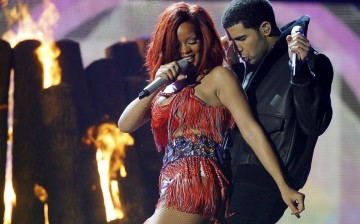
pixel 173 216
pixel 164 215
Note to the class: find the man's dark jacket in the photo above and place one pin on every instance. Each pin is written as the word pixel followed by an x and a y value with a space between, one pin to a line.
pixel 293 111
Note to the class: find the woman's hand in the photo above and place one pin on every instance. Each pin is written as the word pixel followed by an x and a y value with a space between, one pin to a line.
pixel 138 111
pixel 294 200
pixel 170 72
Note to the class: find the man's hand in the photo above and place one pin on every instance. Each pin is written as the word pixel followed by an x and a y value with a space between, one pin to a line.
pixel 294 200
pixel 299 44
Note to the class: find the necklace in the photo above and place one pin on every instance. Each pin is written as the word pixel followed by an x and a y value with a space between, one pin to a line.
pixel 167 95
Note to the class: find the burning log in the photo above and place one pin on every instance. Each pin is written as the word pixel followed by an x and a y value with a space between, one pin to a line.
pixel 110 145
pixel 27 129
pixel 47 134
pixel 5 67
pixel 143 161
pixel 108 87
pixel 89 183
pixel 87 178
pixel 60 136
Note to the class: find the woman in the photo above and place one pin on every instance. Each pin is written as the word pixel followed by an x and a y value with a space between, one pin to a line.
pixel 190 117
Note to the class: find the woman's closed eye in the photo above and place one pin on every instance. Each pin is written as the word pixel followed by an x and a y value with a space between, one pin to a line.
pixel 193 41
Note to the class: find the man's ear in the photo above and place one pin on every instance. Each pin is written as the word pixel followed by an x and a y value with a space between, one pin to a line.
pixel 265 28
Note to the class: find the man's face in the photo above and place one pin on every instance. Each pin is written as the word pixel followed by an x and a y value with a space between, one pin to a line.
pixel 250 43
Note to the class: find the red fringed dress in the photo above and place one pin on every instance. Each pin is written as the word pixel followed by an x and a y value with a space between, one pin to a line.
pixel 195 154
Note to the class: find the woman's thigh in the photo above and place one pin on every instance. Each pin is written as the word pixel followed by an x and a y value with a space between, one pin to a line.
pixel 173 216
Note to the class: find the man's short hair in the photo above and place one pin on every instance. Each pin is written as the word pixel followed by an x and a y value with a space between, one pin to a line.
pixel 251 13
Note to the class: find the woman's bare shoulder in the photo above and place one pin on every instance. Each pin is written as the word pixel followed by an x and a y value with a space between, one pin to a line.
pixel 222 74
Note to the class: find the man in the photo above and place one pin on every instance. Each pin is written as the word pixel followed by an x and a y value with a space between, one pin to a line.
pixel 292 105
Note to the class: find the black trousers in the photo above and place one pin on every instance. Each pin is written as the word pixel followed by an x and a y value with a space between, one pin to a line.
pixel 254 204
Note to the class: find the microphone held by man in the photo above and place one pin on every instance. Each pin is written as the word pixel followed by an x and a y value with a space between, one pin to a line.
pixel 299 47
pixel 295 29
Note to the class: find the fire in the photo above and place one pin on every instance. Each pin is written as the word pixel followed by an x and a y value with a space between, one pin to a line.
pixel 48 53
pixel 27 28
pixel 9 193
pixel 41 30
pixel 110 144
pixel 41 193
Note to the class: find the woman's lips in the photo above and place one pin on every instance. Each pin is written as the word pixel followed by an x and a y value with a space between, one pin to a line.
pixel 190 59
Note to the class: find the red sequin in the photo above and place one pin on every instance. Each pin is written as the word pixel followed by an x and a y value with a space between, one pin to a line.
pixel 188 114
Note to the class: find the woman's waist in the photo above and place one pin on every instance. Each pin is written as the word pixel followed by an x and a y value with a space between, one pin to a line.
pixel 196 146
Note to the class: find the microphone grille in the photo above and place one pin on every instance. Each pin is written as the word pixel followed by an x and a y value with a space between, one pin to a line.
pixel 296 29
pixel 183 65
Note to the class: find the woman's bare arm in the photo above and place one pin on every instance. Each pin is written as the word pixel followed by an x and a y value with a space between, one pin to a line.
pixel 232 97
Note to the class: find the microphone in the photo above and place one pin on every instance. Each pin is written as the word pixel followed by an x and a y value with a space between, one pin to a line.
pixel 159 82
pixel 294 30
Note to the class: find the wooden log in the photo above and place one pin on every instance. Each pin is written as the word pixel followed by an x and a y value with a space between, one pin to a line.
pixel 86 180
pixel 118 221
pixel 89 183
pixel 60 136
pixel 130 62
pixel 143 159
pixel 89 190
pixel 5 67
pixel 108 90
pixel 27 132
pixel 73 74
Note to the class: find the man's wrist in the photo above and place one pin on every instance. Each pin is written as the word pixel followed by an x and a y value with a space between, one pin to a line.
pixel 302 73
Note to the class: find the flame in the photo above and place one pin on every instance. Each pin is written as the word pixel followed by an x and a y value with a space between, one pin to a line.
pixel 9 193
pixel 41 30
pixel 4 3
pixel 110 144
pixel 41 193
pixel 48 53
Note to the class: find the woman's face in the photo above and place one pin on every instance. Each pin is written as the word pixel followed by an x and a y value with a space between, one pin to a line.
pixel 188 42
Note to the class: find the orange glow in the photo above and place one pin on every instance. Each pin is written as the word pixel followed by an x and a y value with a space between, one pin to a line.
pixel 110 144
pixel 41 30
pixel 41 193
pixel 48 53
pixel 9 193
pixel 4 3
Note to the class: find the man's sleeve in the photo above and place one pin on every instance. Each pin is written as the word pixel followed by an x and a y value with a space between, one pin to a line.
pixel 312 88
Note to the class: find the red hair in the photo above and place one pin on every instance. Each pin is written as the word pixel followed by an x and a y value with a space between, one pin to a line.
pixel 162 47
